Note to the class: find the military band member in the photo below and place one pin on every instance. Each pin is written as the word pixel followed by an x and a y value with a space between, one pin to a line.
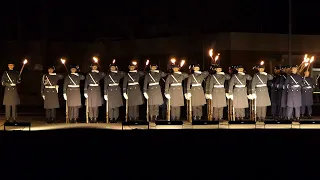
pixel 71 93
pixel 174 91
pixel 284 92
pixel 49 92
pixel 307 94
pixel 132 91
pixel 152 90
pixel 276 91
pixel 238 92
pixel 260 92
pixel 216 90
pixel 112 92
pixel 92 92
pixel 294 83
pixel 9 80
pixel 195 91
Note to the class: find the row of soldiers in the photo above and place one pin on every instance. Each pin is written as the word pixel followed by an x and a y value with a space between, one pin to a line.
pixel 288 91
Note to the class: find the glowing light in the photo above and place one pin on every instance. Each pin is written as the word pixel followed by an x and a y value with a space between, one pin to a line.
pixel 173 60
pixel 134 63
pixel 182 63
pixel 211 52
pixel 312 59
pixel 114 60
pixel 261 63
pixel 95 59
pixel 147 63
pixel 63 61
pixel 25 61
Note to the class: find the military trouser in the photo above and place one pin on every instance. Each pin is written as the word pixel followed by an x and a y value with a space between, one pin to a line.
pixel 133 111
pixel 114 113
pixel 197 111
pixel 239 112
pixel 275 109
pixel 261 112
pixel 175 112
pixel 218 113
pixel 73 112
pixel 303 110
pixel 8 112
pixel 290 112
pixel 154 110
pixel 93 112
pixel 50 113
pixel 283 112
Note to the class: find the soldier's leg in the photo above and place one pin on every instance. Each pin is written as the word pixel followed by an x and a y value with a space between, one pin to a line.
pixel 200 112
pixel 220 113
pixel 289 112
pixel 48 114
pixel 215 113
pixel 263 113
pixel 163 110
pixel 236 112
pixel 76 114
pixel 156 111
pixel 242 113
pixel 274 107
pixel 8 112
pixel 111 113
pixel 178 112
pixel 53 113
pixel 136 112
pixel 96 113
pixel 90 112
pixel 70 113
pixel 173 112
pixel 309 110
pixel 151 111
pixel 194 112
pixel 14 112
pixel 130 113
pixel 116 113
pixel 303 110
pixel 297 112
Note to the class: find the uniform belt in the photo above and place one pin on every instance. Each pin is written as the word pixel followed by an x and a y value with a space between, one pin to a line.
pixel 114 84
pixel 240 86
pixel 261 85
pixel 74 86
pixel 218 86
pixel 153 84
pixel 175 84
pixel 307 87
pixel 196 84
pixel 12 84
pixel 132 84
pixel 93 84
pixel 295 86
pixel 50 87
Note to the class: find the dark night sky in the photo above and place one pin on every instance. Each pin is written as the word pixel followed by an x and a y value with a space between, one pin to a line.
pixel 88 20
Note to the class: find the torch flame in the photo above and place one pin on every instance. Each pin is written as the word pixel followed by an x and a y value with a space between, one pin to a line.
pixel 114 60
pixel 173 60
pixel 211 52
pixel 134 63
pixel 147 63
pixel 182 63
pixel 217 57
pixel 306 64
pixel 63 61
pixel 312 59
pixel 95 59
pixel 261 63
pixel 25 61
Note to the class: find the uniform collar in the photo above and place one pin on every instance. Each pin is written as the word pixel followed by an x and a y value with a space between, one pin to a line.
pixel 96 71
pixel 155 71
pixel 178 72
pixel 197 72
pixel 133 71
pixel 242 73
pixel 264 73
pixel 52 74
pixel 220 72
pixel 75 74
pixel 114 71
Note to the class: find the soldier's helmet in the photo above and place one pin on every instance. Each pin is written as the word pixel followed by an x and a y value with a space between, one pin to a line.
pixel 74 66
pixel 261 66
pixel 113 65
pixel 10 62
pixel 94 64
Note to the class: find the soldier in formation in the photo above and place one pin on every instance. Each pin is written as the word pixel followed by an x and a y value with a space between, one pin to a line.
pixel 10 79
pixel 307 94
pixel 49 92
pixel 92 92
pixel 152 90
pixel 276 91
pixel 132 92
pixel 112 92
pixel 71 93
pixel 260 92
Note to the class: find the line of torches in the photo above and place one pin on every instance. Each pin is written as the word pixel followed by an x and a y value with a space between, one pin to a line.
pixel 305 64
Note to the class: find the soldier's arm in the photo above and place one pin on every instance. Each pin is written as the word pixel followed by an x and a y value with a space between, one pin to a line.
pixel 205 74
pixel 231 84
pixel 189 81
pixel 102 75
pixel 286 83
pixel 141 74
pixel 19 78
pixel 167 85
pixel 253 84
pixel 42 84
pixel 4 79
pixel 249 78
pixel 227 76
pixel 106 84
pixel 122 74
pixel 86 83
pixel 65 84
pixel 145 83
pixel 185 75
pixel 60 76
pixel 125 84
pixel 81 77
pixel 163 74
pixel 209 84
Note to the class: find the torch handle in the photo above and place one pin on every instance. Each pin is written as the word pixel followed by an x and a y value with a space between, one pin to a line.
pixel 22 69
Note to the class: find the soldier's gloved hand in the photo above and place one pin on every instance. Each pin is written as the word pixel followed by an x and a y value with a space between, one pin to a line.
pixel 65 96
pixel 208 96
pixel 249 96
pixel 254 96
pixel 86 95
pixel 105 97
pixel 125 95
pixel 7 84
pixel 231 97
pixel 167 96
pixel 146 95
pixel 186 95
pixel 227 95
pixel 189 95
pixel 43 97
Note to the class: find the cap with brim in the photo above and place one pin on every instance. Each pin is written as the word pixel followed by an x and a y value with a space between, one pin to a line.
pixel 110 65
pixel 277 67
pixel 74 66
pixel 94 64
pixel 239 66
pixel 52 67
pixel 10 62
pixel 261 66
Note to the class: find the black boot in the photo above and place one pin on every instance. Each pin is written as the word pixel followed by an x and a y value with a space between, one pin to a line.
pixel 309 117
pixel 115 120
pixel 95 120
pixel 75 120
pixel 91 120
pixel 136 119
pixel 199 118
pixel 53 120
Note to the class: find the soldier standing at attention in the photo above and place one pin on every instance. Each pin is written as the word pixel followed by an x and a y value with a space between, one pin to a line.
pixel 174 91
pixel 284 92
pixel 260 92
pixel 71 93
pixel 195 91
pixel 307 94
pixel 49 92
pixel 294 83
pixel 238 92
pixel 276 90
pixel 9 80
pixel 152 90
pixel 92 92
pixel 216 90
pixel 112 92
pixel 132 91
